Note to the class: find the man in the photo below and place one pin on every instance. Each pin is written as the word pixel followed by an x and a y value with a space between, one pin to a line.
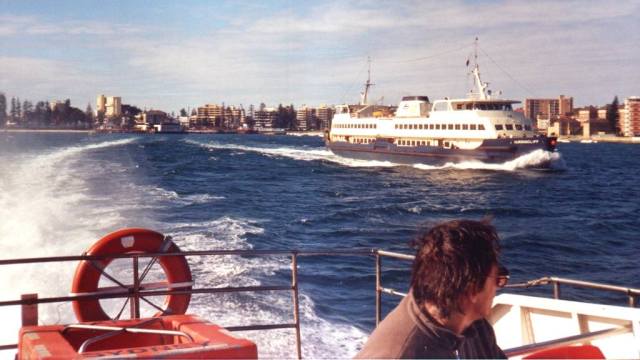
pixel 454 280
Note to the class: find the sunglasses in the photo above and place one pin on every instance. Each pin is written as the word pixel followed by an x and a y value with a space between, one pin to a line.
pixel 503 276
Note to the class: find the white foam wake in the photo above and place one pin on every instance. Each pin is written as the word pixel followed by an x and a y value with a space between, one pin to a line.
pixel 537 158
pixel 43 199
pixel 273 307
pixel 298 154
pixel 534 159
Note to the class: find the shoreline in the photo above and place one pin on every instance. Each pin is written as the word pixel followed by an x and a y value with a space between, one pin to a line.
pixel 45 131
pixel 570 138
pixel 600 138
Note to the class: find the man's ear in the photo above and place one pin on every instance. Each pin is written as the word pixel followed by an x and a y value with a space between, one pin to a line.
pixel 472 296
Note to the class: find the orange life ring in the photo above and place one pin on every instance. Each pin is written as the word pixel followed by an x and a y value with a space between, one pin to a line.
pixel 124 241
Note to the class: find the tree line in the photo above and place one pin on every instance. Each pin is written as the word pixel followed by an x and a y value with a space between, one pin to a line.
pixel 42 114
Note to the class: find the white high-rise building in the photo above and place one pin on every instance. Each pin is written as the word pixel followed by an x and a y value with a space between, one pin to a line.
pixel 630 121
pixel 109 105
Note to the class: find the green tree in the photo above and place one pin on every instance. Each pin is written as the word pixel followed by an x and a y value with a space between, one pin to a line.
pixel 88 115
pixel 13 111
pixel 40 113
pixel 27 111
pixel 18 109
pixel 3 110
pixel 183 112
pixel 613 116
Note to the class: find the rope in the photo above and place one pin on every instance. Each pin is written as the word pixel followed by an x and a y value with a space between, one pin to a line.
pixel 506 73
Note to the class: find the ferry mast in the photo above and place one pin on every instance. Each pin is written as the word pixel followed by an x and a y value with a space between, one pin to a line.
pixel 482 87
pixel 364 96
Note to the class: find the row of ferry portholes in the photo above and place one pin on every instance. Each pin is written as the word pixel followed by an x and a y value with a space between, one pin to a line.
pixel 498 127
pixel 356 126
pixel 445 144
pixel 440 127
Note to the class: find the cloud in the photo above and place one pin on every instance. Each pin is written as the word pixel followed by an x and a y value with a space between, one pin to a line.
pixel 316 52
pixel 39 79
pixel 19 25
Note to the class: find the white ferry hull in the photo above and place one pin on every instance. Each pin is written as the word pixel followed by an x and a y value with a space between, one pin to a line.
pixel 490 151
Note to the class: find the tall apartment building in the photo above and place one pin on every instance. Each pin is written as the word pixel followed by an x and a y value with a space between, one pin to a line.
pixel 630 121
pixel 565 105
pixel 265 117
pixel 324 115
pixel 304 118
pixel 109 105
pixel 544 111
pixel 220 116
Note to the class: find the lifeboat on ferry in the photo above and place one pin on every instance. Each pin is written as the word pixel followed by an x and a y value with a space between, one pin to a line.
pixel 167 337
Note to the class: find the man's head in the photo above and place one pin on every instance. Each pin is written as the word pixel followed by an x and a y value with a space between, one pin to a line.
pixel 456 267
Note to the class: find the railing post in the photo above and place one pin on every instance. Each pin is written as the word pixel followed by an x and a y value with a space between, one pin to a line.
pixel 632 300
pixel 378 288
pixel 135 299
pixel 296 304
pixel 556 289
pixel 29 312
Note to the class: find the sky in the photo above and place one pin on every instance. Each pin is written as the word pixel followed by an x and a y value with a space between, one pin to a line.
pixel 169 55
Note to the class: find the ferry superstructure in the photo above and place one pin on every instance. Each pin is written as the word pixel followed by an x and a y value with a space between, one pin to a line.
pixel 478 127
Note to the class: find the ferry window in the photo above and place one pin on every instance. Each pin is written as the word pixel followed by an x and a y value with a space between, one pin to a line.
pixel 518 127
pixel 450 126
pixel 499 127
pixel 507 107
pixel 459 106
pixel 396 126
pixel 480 127
pixel 457 126
pixel 465 127
pixel 420 126
pixel 375 126
pixel 469 106
pixel 431 126
pixel 509 127
pixel 437 126
pixel 473 126
pixel 413 143
pixel 527 127
pixel 441 106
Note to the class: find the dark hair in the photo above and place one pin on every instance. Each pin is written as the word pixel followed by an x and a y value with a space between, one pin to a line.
pixel 453 258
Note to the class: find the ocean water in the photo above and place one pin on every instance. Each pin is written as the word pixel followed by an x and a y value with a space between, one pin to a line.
pixel 60 192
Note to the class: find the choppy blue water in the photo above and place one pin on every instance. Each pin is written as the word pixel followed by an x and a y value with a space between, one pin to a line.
pixel 61 192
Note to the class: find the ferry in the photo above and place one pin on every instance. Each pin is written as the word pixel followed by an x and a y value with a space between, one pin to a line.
pixel 476 128
pixel 526 326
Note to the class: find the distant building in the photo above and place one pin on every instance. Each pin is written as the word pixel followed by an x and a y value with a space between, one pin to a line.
pixel 264 118
pixel 110 106
pixel 630 121
pixel 304 118
pixel 565 105
pixel 546 111
pixel 219 116
pixel 324 115
pixel 593 121
pixel 53 105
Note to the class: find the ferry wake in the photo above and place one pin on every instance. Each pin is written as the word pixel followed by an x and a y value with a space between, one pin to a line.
pixel 476 128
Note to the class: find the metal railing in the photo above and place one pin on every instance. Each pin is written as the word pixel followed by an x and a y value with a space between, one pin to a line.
pixel 556 282
pixel 136 292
